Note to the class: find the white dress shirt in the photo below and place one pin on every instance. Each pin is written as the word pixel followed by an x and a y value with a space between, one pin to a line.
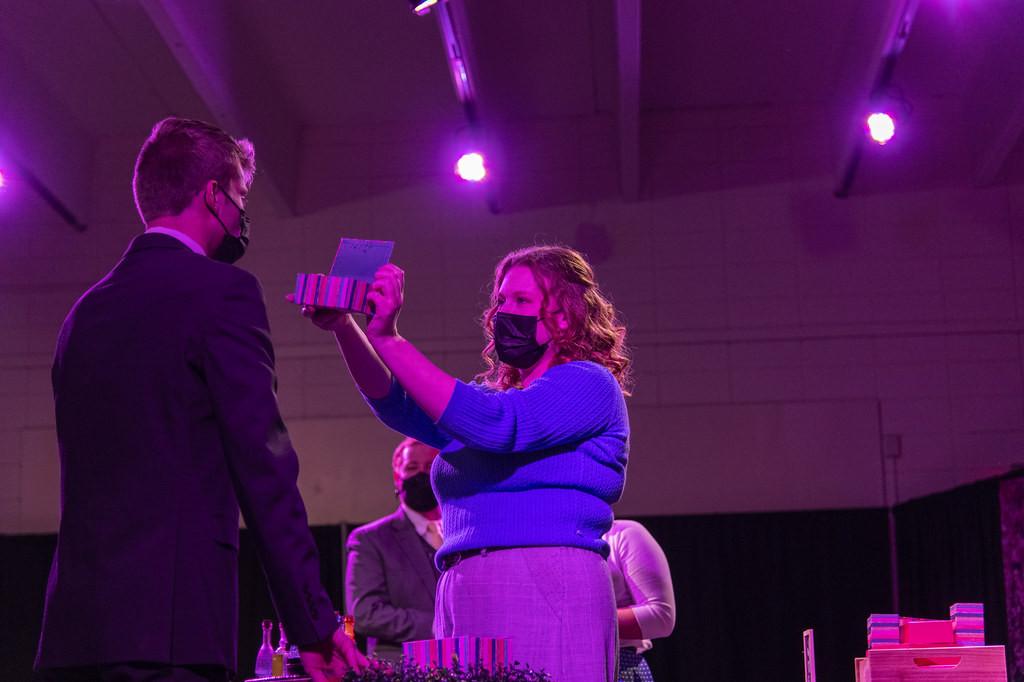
pixel 180 236
pixel 420 523
pixel 642 581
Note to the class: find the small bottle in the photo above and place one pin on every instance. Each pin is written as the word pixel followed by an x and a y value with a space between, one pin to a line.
pixel 265 657
pixel 277 666
pixel 349 623
pixel 293 661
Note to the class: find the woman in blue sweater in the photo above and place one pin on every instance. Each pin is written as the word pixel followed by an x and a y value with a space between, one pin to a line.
pixel 533 454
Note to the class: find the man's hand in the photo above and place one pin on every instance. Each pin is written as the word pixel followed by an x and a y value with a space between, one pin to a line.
pixel 329 660
pixel 329 319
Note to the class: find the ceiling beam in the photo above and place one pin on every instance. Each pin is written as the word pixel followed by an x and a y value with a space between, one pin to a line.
pixel 42 145
pixel 453 21
pixel 454 25
pixel 900 18
pixel 227 76
pixel 998 151
pixel 627 33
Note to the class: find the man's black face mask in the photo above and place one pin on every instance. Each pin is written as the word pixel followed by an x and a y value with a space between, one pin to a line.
pixel 232 247
pixel 418 494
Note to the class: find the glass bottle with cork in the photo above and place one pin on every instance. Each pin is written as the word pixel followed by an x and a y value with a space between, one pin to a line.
pixel 265 657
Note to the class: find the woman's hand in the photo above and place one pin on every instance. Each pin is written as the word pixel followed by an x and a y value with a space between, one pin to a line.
pixel 387 295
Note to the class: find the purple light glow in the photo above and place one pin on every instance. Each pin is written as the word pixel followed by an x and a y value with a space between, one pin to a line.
pixel 3 180
pixel 881 127
pixel 470 167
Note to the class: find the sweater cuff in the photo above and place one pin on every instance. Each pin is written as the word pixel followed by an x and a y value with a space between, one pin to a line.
pixel 458 415
pixel 390 402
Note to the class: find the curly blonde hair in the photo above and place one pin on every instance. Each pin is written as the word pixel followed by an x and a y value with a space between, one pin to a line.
pixel 594 331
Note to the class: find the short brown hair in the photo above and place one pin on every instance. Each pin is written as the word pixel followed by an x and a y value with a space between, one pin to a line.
pixel 565 278
pixel 178 159
pixel 408 442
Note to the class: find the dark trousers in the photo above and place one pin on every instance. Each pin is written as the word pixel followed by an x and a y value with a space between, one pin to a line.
pixel 136 672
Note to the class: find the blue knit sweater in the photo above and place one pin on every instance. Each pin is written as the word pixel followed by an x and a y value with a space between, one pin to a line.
pixel 538 466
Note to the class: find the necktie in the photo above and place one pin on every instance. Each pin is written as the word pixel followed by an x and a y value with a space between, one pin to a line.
pixel 432 535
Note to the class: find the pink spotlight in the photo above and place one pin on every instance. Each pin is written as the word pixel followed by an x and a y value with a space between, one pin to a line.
pixel 3 180
pixel 470 167
pixel 881 127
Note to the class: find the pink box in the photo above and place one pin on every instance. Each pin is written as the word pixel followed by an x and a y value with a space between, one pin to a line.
pixel 921 632
pixel 489 652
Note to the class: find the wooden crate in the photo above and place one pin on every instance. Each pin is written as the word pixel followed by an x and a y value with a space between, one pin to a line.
pixel 934 664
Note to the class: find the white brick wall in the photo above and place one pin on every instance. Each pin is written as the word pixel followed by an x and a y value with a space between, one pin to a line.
pixel 778 332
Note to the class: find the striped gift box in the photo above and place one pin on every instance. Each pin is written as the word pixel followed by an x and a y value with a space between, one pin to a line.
pixel 327 291
pixel 968 623
pixel 883 630
pixel 489 652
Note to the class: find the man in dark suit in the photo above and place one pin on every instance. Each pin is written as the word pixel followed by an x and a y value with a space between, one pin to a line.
pixel 167 423
pixel 390 579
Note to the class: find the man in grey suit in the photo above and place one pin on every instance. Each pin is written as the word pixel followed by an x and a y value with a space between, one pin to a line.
pixel 391 576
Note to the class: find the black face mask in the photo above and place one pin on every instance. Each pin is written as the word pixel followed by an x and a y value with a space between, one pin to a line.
pixel 515 340
pixel 231 248
pixel 417 493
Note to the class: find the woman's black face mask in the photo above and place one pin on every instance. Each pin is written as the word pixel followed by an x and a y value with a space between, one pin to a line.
pixel 515 340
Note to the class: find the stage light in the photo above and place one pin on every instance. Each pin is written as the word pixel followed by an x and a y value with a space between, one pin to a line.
pixel 3 180
pixel 422 7
pixel 881 127
pixel 471 167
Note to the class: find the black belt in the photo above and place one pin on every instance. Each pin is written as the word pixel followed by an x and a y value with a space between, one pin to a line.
pixel 455 557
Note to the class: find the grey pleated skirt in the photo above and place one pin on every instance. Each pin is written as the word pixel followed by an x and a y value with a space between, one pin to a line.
pixel 555 604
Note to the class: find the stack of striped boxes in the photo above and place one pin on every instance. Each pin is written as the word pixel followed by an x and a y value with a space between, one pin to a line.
pixel 488 652
pixel 352 273
pixel 327 291
pixel 883 630
pixel 968 624
pixel 954 650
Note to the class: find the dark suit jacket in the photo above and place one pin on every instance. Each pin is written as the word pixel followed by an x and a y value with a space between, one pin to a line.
pixel 167 423
pixel 390 582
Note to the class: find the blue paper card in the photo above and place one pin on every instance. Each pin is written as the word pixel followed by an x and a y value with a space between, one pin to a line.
pixel 360 258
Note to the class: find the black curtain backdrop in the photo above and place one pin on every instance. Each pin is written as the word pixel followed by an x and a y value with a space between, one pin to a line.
pixel 950 549
pixel 747 585
pixel 25 564
pixel 24 568
pixel 1011 498
pixel 254 603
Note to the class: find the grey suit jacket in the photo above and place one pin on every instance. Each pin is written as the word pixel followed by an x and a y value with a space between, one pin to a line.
pixel 390 582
